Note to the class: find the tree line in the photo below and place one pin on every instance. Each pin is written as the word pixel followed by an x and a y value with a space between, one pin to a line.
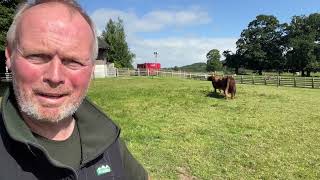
pixel 268 45
pixel 265 45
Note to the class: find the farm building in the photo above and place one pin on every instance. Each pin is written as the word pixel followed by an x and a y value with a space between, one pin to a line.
pixel 151 68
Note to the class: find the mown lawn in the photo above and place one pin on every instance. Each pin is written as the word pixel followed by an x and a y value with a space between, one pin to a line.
pixel 178 127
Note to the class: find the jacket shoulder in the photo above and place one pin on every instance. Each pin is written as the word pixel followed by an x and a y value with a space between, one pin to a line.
pixel 133 169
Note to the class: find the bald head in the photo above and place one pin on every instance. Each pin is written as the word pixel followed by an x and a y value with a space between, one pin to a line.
pixel 67 9
pixel 54 25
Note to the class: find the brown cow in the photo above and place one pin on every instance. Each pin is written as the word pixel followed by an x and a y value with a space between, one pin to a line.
pixel 227 84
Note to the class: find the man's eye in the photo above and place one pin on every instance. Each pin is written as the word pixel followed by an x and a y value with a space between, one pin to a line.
pixel 38 58
pixel 73 64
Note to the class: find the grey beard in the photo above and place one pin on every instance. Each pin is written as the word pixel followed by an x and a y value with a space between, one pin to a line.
pixel 30 109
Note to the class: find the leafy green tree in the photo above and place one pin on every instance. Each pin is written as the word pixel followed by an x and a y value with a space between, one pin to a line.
pixel 314 21
pixel 260 44
pixel 7 10
pixel 213 60
pixel 233 60
pixel 118 50
pixel 176 68
pixel 302 44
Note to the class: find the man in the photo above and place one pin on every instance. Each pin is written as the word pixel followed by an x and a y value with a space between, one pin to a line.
pixel 49 130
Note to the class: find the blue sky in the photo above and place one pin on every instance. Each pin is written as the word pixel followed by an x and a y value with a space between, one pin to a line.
pixel 183 31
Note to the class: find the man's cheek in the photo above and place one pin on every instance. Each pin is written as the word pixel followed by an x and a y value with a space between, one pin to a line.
pixel 81 80
pixel 26 74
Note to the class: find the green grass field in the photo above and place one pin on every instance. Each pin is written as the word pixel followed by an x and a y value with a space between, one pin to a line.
pixel 178 128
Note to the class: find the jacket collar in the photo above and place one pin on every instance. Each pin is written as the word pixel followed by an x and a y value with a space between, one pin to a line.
pixel 97 131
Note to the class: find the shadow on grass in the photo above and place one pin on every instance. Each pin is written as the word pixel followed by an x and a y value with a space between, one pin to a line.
pixel 215 95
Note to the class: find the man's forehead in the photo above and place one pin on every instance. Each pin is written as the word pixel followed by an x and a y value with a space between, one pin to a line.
pixel 51 9
pixel 56 18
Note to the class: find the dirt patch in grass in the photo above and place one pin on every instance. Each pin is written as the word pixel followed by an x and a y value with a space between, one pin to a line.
pixel 184 174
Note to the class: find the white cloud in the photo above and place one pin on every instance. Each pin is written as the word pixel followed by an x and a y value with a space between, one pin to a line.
pixel 179 51
pixel 151 21
pixel 102 16
pixel 173 51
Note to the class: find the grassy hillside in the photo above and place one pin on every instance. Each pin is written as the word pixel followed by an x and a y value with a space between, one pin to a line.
pixel 195 67
pixel 178 128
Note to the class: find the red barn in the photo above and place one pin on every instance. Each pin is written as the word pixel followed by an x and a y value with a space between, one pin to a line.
pixel 152 68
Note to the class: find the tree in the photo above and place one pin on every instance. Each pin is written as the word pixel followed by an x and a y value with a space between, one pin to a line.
pixel 315 20
pixel 260 44
pixel 7 9
pixel 302 44
pixel 233 60
pixel 118 52
pixel 176 68
pixel 213 60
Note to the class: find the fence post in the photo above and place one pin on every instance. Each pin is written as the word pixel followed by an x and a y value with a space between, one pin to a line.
pixel 305 79
pixel 279 80
pixel 117 72
pixel 294 82
pixel 312 82
pixel 265 80
pixel 105 70
pixel 241 79
pixel 252 79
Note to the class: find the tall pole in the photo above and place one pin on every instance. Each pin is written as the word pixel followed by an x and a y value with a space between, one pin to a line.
pixel 155 55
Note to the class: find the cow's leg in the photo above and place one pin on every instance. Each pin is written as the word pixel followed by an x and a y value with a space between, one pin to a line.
pixel 234 90
pixel 227 88
pixel 226 93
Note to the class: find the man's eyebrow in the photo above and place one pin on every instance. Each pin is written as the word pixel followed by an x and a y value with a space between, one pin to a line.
pixel 74 57
pixel 24 51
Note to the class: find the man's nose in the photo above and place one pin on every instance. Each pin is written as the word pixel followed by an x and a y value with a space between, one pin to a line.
pixel 54 75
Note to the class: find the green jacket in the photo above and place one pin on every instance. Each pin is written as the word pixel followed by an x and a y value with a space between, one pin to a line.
pixel 104 155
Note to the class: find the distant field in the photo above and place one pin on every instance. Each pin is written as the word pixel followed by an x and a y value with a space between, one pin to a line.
pixel 178 128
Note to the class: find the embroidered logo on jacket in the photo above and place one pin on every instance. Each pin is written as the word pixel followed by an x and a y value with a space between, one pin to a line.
pixel 104 169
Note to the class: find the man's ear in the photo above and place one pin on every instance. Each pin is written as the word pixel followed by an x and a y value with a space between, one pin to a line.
pixel 8 53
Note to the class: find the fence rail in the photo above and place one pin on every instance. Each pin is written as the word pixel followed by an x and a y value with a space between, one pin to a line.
pixel 303 82
pixel 5 77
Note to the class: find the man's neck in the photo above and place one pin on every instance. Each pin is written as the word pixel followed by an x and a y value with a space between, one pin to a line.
pixel 57 131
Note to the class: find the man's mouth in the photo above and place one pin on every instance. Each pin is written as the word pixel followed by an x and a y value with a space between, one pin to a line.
pixel 51 98
pixel 51 95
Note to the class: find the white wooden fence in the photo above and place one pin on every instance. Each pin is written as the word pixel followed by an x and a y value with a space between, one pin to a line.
pixel 290 81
